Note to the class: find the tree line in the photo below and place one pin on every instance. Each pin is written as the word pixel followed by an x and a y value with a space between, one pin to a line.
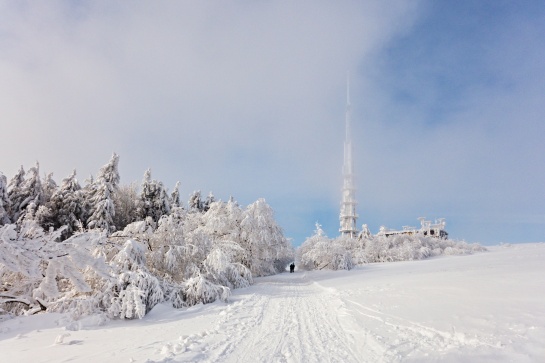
pixel 119 250
pixel 101 203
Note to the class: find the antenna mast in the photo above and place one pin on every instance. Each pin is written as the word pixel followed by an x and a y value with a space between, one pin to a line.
pixel 348 214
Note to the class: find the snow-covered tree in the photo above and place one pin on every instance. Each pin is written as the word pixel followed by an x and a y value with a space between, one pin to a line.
pixel 15 194
pixel 208 201
pixel 224 261
pixel 67 205
pixel 222 221
pixel 175 196
pixel 4 200
pixel 126 202
pixel 222 266
pixel 319 252
pixel 169 255
pixel 101 201
pixel 154 201
pixel 365 232
pixel 30 191
pixel 266 248
pixel 103 210
pixel 88 190
pixel 195 203
pixel 49 187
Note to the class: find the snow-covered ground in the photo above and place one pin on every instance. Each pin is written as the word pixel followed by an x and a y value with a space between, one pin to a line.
pixel 487 307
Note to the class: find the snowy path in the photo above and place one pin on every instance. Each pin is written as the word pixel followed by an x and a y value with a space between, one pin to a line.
pixel 286 318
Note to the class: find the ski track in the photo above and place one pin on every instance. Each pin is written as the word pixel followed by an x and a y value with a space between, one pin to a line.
pixel 283 320
pixel 288 318
pixel 398 338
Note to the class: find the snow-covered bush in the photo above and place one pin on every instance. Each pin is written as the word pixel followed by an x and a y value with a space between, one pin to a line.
pixel 39 271
pixel 134 291
pixel 220 266
pixel 414 247
pixel 198 289
pixel 319 252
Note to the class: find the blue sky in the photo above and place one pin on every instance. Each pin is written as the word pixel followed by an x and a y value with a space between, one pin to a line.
pixel 247 99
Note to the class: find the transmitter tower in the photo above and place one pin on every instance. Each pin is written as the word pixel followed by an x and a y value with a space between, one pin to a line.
pixel 348 214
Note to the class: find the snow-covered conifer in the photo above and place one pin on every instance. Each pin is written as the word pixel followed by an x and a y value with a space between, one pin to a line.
pixel 195 203
pixel 101 201
pixel 154 201
pixel 147 192
pixel 4 200
pixel 88 190
pixel 103 210
pixel 31 191
pixel 67 205
pixel 49 188
pixel 208 201
pixel 175 196
pixel 164 201
pixel 15 194
pixel 365 232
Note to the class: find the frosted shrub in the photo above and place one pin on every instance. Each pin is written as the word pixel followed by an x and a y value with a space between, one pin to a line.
pixel 220 267
pixel 41 272
pixel 319 252
pixel 416 247
pixel 199 290
pixel 135 291
pixel 342 260
pixel 311 254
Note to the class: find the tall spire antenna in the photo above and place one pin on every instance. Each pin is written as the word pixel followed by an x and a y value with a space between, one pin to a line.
pixel 348 214
pixel 348 87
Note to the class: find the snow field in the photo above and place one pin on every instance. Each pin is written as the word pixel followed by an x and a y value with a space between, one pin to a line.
pixel 483 307
pixel 486 307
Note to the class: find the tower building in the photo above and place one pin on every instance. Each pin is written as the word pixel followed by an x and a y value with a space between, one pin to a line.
pixel 348 214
